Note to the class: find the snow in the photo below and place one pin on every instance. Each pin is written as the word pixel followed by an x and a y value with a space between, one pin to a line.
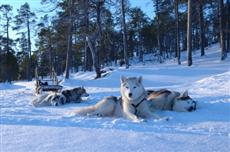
pixel 26 128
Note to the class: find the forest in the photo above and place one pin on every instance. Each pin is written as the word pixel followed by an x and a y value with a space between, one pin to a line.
pixel 88 35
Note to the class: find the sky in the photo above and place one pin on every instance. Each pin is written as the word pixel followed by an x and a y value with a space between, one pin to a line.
pixel 145 5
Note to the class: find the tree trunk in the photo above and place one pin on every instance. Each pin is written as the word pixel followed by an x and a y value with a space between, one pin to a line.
pixel 7 35
pixel 69 46
pixel 228 26
pixel 201 24
pixel 29 74
pixel 177 33
pixel 95 39
pixel 221 23
pixel 141 48
pixel 50 54
pixel 87 55
pixel 94 52
pixel 8 70
pixel 158 30
pixel 124 35
pixel 189 34
pixel 69 50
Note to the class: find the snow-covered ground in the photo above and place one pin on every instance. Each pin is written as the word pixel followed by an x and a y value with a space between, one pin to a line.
pixel 25 128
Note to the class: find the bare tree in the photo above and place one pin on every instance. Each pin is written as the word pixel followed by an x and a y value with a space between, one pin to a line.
pixel 94 39
pixel 189 34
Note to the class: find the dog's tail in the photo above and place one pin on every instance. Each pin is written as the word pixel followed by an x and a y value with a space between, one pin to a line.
pixel 83 111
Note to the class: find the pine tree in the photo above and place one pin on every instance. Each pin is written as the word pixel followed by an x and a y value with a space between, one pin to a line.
pixel 24 20
pixel 87 55
pixel 124 32
pixel 137 21
pixel 6 13
pixel 157 12
pixel 8 58
pixel 23 57
pixel 107 53
pixel 70 35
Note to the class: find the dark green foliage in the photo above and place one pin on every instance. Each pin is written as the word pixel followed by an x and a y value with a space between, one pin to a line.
pixel 24 20
pixel 8 67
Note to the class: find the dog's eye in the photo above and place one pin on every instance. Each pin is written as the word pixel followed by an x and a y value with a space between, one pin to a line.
pixel 126 87
pixel 134 87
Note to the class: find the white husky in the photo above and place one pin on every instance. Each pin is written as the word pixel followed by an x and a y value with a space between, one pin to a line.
pixel 132 104
pixel 171 100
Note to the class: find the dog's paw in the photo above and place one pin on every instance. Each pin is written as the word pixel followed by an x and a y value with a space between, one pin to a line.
pixel 167 119
pixel 138 120
pixel 99 115
pixel 162 119
pixel 69 114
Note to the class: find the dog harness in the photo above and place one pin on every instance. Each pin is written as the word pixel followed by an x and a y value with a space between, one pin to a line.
pixel 137 105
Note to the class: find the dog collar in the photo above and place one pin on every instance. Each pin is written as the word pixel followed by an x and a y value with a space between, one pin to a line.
pixel 137 105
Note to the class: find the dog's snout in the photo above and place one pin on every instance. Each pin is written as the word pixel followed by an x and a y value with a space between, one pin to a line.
pixel 190 109
pixel 85 95
pixel 130 94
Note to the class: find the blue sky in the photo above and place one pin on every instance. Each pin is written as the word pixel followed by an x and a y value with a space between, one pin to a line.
pixel 145 5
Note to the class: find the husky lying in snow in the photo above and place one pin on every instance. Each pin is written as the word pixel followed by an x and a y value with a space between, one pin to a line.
pixel 74 95
pixel 51 99
pixel 108 106
pixel 56 99
pixel 132 104
pixel 170 100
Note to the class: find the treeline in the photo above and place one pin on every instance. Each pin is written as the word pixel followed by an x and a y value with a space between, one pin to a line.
pixel 86 35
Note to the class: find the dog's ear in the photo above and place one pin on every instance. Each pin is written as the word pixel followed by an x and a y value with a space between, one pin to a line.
pixel 122 79
pixel 139 79
pixel 185 93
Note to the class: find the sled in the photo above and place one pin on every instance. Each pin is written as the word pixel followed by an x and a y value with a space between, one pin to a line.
pixel 44 84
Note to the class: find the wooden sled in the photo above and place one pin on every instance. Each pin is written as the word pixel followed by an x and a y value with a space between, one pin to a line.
pixel 44 85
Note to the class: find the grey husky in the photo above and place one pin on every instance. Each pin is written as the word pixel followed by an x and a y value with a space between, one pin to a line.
pixel 75 95
pixel 49 99
pixel 132 104
pixel 171 100
pixel 55 99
